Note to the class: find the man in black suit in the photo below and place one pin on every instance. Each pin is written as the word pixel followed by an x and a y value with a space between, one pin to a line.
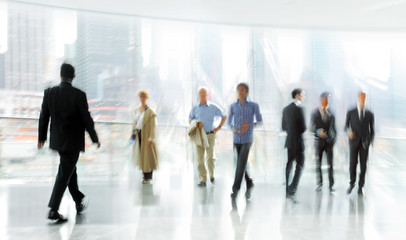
pixel 69 112
pixel 293 122
pixel 361 130
pixel 323 126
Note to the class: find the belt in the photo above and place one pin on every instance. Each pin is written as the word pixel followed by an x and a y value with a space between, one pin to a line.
pixel 210 132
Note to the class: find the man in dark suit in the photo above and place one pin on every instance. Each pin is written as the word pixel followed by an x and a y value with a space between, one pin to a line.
pixel 361 130
pixel 323 126
pixel 293 122
pixel 69 112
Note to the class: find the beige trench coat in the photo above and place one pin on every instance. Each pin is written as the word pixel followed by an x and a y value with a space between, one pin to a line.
pixel 146 157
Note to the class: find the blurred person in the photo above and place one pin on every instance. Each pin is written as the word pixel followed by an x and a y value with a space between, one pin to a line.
pixel 361 132
pixel 145 154
pixel 205 113
pixel 69 112
pixel 241 121
pixel 293 122
pixel 324 129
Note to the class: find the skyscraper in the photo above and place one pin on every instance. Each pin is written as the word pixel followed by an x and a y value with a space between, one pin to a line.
pixel 102 44
pixel 30 44
pixel 2 73
pixel 209 56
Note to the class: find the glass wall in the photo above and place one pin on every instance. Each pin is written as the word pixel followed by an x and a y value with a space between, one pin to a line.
pixel 115 56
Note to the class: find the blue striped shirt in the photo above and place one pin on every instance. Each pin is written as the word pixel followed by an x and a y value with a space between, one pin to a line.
pixel 206 114
pixel 241 114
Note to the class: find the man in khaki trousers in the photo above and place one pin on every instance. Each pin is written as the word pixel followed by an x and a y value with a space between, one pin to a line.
pixel 206 112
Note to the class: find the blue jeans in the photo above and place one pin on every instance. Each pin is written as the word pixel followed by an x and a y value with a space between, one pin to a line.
pixel 242 151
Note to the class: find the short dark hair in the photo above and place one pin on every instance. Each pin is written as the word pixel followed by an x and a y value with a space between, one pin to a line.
pixel 296 91
pixel 325 94
pixel 67 71
pixel 243 85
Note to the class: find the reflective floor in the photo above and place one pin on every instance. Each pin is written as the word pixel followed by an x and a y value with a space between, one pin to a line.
pixel 175 208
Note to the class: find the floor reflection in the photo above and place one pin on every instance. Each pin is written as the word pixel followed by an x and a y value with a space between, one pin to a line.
pixel 356 216
pixel 173 207
pixel 145 196
pixel 240 221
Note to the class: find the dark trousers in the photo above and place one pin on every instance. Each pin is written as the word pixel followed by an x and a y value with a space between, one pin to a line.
pixel 328 149
pixel 242 152
pixel 355 151
pixel 147 175
pixel 66 177
pixel 298 156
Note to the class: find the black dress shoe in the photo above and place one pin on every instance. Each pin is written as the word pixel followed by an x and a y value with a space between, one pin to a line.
pixel 234 195
pixel 54 215
pixel 212 180
pixel 319 188
pixel 360 191
pixel 332 189
pixel 350 188
pixel 201 184
pixel 249 190
pixel 82 206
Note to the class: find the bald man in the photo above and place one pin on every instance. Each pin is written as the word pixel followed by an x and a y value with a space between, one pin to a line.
pixel 361 132
pixel 206 112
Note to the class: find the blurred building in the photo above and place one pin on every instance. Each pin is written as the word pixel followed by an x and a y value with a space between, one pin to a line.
pixel 209 57
pixel 263 77
pixel 2 71
pixel 27 62
pixel 102 43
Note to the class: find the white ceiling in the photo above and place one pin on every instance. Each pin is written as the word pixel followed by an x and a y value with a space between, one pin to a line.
pixel 380 15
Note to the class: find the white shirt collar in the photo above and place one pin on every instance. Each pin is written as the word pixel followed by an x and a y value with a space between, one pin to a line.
pixel 359 108
pixel 297 102
pixel 359 111
pixel 321 110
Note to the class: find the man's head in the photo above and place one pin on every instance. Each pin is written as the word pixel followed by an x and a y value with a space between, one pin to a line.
pixel 362 97
pixel 298 94
pixel 242 90
pixel 203 93
pixel 325 99
pixel 67 71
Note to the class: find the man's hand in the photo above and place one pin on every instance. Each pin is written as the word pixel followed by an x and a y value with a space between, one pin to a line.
pixel 351 135
pixel 200 125
pixel 244 128
pixel 216 129
pixel 40 144
pixel 150 143
pixel 323 134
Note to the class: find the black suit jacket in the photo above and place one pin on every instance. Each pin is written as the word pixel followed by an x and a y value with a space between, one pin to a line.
pixel 329 126
pixel 364 131
pixel 293 122
pixel 69 112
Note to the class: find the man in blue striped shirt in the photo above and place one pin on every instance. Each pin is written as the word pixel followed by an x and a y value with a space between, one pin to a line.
pixel 241 121
pixel 206 112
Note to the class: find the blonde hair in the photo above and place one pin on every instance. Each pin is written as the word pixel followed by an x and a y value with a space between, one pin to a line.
pixel 143 93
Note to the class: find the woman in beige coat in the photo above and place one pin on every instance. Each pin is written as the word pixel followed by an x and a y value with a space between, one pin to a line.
pixel 145 153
